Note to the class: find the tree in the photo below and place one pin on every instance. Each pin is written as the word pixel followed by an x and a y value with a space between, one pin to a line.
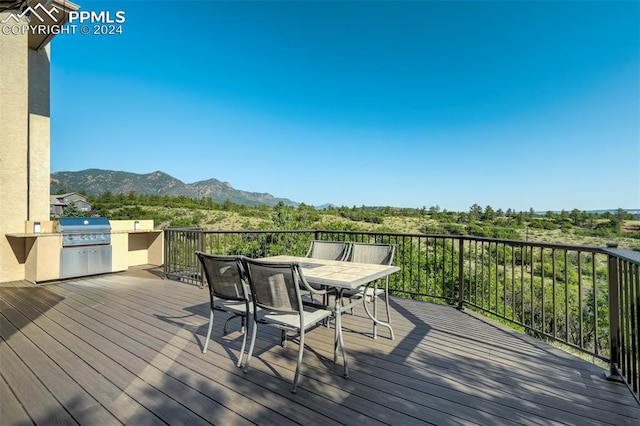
pixel 575 217
pixel 488 214
pixel 475 212
pixel 282 216
pixel 72 210
pixel 622 215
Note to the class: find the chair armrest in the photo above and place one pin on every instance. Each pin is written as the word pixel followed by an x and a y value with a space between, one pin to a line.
pixel 304 284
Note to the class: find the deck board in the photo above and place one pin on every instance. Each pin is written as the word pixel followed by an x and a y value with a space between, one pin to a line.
pixel 126 349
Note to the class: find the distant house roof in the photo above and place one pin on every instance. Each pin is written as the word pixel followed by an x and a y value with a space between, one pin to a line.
pixel 68 197
pixel 54 200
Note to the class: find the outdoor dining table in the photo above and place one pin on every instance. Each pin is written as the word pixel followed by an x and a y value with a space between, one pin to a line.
pixel 341 276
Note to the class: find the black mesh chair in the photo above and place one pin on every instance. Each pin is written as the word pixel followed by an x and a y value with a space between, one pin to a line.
pixel 276 295
pixel 379 254
pixel 228 292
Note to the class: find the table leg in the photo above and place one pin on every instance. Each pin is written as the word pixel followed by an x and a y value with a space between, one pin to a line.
pixel 338 338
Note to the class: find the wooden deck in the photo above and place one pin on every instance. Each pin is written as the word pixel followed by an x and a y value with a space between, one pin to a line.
pixel 126 349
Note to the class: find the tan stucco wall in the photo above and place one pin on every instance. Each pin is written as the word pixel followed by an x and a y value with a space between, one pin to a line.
pixel 120 251
pixel 132 247
pixel 14 110
pixel 43 258
pixel 25 149
pixel 39 134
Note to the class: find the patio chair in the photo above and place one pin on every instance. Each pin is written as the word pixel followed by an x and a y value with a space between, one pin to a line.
pixel 276 296
pixel 228 292
pixel 329 250
pixel 379 254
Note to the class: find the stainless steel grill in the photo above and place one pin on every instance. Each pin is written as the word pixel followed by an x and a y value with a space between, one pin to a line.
pixel 84 231
pixel 86 246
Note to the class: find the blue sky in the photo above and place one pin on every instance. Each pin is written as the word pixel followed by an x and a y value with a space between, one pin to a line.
pixel 513 104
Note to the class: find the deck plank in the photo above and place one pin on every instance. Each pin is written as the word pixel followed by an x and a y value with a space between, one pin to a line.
pixel 126 348
pixel 10 407
pixel 81 406
pixel 26 386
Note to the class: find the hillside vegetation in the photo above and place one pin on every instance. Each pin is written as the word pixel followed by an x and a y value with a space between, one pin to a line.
pixel 574 227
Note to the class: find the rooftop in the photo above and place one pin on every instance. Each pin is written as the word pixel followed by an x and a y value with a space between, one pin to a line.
pixel 126 348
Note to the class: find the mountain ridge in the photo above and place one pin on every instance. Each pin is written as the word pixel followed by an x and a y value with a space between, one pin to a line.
pixel 99 181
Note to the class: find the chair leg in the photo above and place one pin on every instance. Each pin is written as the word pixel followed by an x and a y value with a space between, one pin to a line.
pixel 225 330
pixel 375 306
pixel 245 331
pixel 377 322
pixel 386 300
pixel 206 342
pixel 300 353
pixel 375 309
pixel 251 345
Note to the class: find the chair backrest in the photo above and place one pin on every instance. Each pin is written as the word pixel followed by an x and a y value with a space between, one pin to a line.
pixel 379 254
pixel 275 286
pixel 225 275
pixel 329 250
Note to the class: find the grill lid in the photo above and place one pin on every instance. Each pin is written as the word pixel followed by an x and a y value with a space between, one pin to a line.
pixel 82 231
pixel 83 225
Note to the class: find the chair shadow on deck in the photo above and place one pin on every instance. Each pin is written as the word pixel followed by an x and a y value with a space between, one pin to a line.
pixel 268 340
pixel 198 331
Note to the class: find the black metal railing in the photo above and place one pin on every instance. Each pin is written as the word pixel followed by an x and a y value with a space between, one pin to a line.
pixel 624 316
pixel 587 298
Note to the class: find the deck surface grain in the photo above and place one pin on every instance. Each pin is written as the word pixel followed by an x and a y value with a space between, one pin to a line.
pixel 126 349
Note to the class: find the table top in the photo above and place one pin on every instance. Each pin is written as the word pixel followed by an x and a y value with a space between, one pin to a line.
pixel 336 273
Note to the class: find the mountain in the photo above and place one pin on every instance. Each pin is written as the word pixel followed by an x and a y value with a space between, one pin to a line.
pixel 97 181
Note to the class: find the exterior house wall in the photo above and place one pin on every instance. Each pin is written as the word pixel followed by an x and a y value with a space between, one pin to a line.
pixel 39 163
pixel 56 210
pixel 14 115
pixel 83 206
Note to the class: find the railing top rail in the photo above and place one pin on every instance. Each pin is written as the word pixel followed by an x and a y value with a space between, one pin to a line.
pixel 182 228
pixel 625 254
pixel 260 231
pixel 581 248
pixel 561 246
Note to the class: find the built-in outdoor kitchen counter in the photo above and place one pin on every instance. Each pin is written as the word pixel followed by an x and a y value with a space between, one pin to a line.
pixel 134 243
pixel 73 247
